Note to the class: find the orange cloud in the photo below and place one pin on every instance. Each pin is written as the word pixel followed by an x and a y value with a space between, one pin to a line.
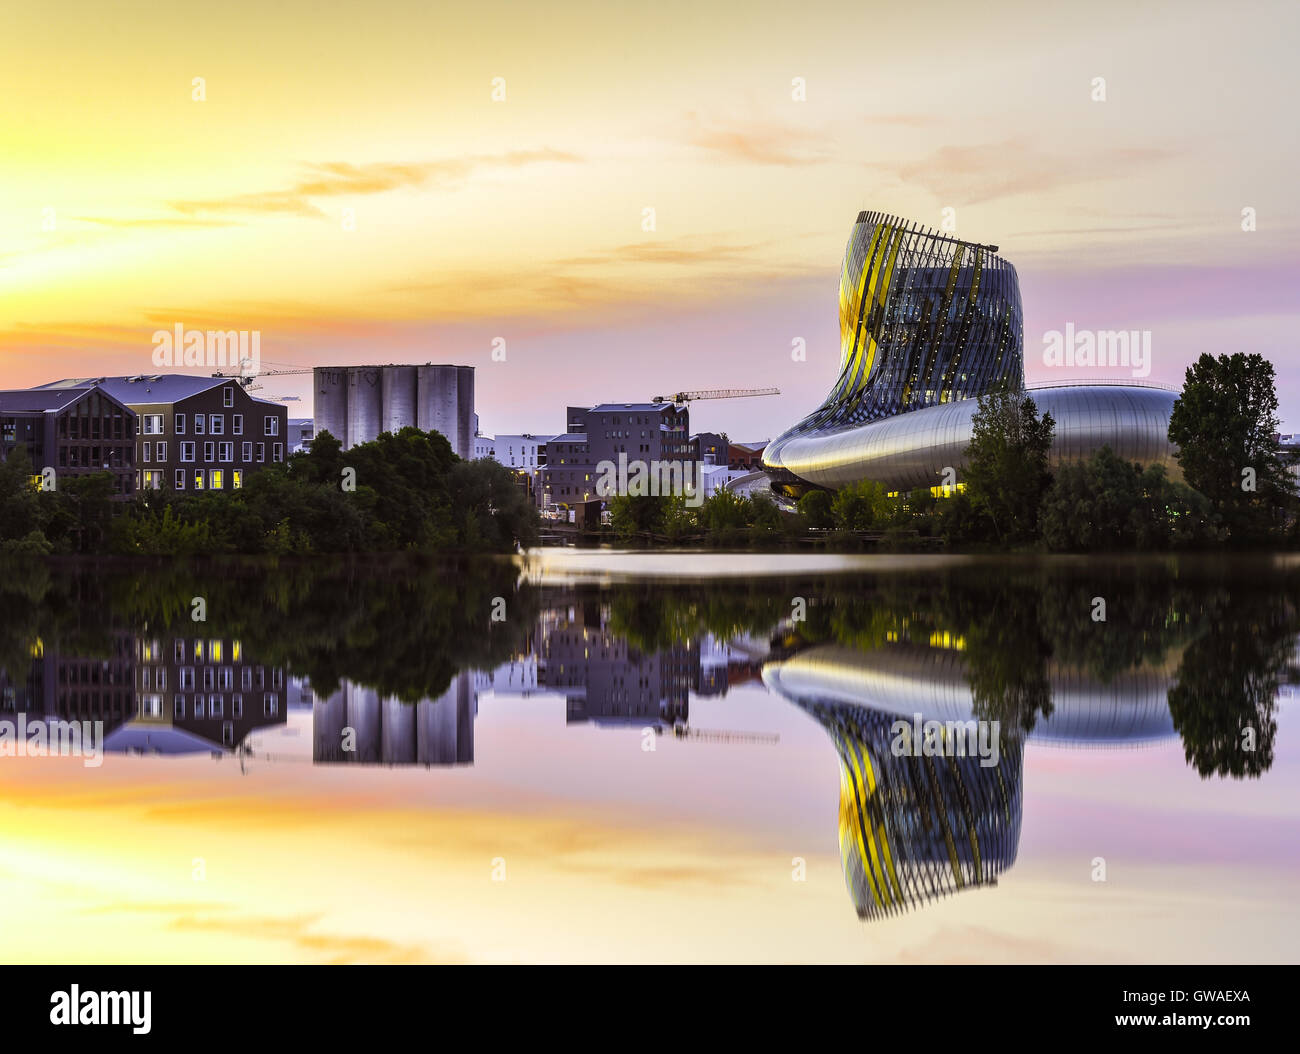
pixel 338 178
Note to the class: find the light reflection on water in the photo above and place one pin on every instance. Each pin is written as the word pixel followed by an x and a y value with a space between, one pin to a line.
pixel 707 737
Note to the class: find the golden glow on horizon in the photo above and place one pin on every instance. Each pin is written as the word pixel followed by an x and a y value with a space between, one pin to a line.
pixel 525 215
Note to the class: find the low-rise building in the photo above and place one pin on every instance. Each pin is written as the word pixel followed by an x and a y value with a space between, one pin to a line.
pixel 195 433
pixel 76 430
pixel 647 432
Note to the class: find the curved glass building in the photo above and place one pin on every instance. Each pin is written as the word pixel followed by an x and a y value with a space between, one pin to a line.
pixel 928 323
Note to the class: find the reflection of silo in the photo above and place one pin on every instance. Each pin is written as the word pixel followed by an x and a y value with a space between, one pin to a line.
pixel 328 719
pixel 398 746
pixel 463 444
pixel 399 395
pixel 446 725
pixel 364 717
pixel 365 404
pixel 331 402
pixel 437 392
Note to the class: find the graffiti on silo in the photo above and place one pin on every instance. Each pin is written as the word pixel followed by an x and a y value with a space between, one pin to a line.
pixel 356 403
pixel 365 404
pixel 331 405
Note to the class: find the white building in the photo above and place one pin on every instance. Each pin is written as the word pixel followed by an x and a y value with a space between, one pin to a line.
pixel 524 451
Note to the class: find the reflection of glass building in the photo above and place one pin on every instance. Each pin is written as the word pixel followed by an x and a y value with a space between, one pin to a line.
pixel 927 324
pixel 916 828
pixel 913 828
pixel 1129 708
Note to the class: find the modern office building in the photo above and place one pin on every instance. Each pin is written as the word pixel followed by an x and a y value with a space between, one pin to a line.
pixel 522 452
pixel 356 403
pixel 301 431
pixel 76 430
pixel 928 323
pixel 640 431
pixel 195 433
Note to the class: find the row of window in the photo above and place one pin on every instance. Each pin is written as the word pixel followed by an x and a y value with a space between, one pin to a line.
pixel 212 451
pixel 155 677
pixel 95 457
pixel 211 707
pixel 202 479
pixel 151 651
pixel 205 424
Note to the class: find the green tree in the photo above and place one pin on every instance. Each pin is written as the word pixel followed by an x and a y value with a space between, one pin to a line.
pixel 815 508
pixel 1007 471
pixel 861 506
pixel 1224 424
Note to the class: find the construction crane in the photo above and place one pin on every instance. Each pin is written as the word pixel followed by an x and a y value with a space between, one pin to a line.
pixel 722 735
pixel 716 393
pixel 246 379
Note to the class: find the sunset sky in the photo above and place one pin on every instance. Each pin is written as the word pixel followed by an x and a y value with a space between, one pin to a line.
pixel 613 853
pixel 523 218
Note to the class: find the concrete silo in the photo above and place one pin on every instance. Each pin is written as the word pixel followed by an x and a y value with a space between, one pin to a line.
pixel 330 407
pixel 365 403
pixel 399 398
pixel 437 387
pixel 463 444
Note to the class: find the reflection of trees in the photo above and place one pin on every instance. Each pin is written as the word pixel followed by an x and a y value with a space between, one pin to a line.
pixel 404 627
pixel 656 616
pixel 1229 681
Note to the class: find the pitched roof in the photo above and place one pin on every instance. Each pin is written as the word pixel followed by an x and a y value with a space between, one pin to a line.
pixel 35 400
pixel 147 388
pixel 640 408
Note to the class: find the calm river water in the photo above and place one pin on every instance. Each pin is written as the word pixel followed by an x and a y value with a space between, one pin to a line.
pixel 668 757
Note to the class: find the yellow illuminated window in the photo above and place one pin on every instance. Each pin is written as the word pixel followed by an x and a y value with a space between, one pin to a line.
pixel 198 479
pixel 236 478
pixel 216 479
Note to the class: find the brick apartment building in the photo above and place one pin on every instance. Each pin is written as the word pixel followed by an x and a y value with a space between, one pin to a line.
pixel 74 430
pixel 195 433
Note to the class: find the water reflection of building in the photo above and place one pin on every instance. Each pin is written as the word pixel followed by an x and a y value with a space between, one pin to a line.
pixel 356 724
pixel 153 694
pixel 1129 707
pixel 915 828
pixel 74 688
pixel 608 680
pixel 196 693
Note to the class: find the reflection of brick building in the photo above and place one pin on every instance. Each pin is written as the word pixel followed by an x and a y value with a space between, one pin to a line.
pixel 387 731
pixel 206 686
pixel 74 688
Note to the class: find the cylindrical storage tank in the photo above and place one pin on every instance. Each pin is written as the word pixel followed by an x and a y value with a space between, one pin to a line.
pixel 436 388
pixel 398 747
pixel 464 444
pixel 365 403
pixel 330 406
pixel 399 394
pixel 366 720
pixel 328 719
pixel 445 736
